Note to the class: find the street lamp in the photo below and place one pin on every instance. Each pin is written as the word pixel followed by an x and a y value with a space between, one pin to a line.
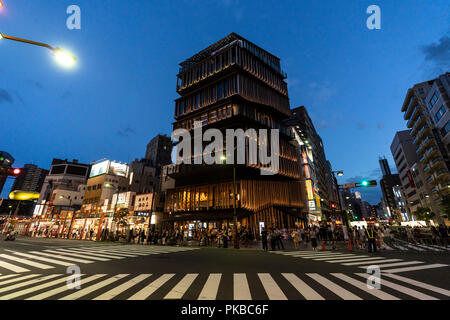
pixel 64 58
pixel 235 232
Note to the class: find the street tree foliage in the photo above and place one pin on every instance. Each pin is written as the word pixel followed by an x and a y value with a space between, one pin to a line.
pixel 424 213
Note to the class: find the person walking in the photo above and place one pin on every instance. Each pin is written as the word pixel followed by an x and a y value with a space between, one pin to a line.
pixel 264 239
pixel 371 239
pixel 273 240
pixel 295 237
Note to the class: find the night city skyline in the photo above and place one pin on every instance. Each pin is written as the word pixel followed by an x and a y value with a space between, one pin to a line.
pixel 134 87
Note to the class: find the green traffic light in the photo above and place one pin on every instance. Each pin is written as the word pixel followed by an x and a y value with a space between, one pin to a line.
pixel 365 183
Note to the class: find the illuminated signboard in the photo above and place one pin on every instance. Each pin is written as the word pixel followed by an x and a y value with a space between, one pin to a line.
pixel 23 195
pixel 312 204
pixel 99 168
pixel 119 169
pixel 309 190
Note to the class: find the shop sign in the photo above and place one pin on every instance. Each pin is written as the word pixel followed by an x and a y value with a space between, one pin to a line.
pixel 141 214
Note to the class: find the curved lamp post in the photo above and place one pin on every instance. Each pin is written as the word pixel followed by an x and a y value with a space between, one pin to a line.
pixel 62 57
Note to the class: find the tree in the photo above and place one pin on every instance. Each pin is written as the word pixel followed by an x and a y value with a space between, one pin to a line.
pixel 424 214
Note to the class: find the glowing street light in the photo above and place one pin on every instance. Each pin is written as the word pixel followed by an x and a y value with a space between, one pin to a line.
pixel 64 58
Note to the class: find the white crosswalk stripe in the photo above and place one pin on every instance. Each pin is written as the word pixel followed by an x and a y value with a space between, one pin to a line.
pixel 402 289
pixel 12 267
pixel 272 289
pixel 148 286
pixel 25 261
pixel 305 290
pixel 211 287
pixel 423 267
pixel 151 288
pixel 62 257
pixel 180 289
pixel 35 257
pixel 363 286
pixel 241 288
pixel 398 264
pixel 77 255
pixel 350 260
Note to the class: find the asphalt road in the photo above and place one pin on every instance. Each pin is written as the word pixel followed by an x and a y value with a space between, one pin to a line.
pixel 39 268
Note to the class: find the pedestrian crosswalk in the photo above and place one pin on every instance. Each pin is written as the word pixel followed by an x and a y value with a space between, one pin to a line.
pixel 362 261
pixel 214 286
pixel 19 262
pixel 401 245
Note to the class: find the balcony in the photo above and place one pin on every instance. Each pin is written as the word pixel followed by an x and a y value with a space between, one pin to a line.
pixel 418 124
pixel 420 149
pixel 442 174
pixel 436 162
pixel 428 141
pixel 421 134
pixel 412 104
pixel 431 152
pixel 422 159
pixel 426 169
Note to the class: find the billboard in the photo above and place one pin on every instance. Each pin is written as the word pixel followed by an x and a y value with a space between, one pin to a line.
pixel 99 168
pixel 107 166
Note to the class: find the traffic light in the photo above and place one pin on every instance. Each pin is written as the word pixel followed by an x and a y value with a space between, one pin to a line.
pixel 367 183
pixel 15 171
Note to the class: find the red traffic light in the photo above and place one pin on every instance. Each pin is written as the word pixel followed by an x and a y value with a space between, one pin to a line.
pixel 16 171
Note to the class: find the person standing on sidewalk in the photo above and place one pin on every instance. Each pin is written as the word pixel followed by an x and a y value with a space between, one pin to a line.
pixel 313 237
pixel 264 239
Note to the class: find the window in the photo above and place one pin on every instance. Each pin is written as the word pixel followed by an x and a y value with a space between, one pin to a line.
pixel 439 113
pixel 446 127
pixel 421 91
pixel 219 91
pixel 213 94
pixel 225 88
pixel 181 107
pixel 433 100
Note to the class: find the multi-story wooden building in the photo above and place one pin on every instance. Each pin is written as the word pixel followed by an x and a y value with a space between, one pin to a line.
pixel 235 84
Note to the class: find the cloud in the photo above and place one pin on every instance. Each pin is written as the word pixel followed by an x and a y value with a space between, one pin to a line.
pixel 126 132
pixel 438 53
pixel 361 125
pixel 67 94
pixel 5 97
pixel 322 92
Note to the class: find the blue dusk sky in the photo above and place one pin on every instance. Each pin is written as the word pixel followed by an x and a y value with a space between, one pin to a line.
pixel 352 80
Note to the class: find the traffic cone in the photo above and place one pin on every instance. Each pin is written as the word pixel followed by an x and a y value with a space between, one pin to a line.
pixel 349 245
pixel 323 245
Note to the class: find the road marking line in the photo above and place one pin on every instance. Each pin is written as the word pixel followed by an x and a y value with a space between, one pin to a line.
pixel 209 291
pixel 62 263
pixel 364 287
pixel 418 284
pixel 27 262
pixel 122 252
pixel 151 288
pixel 33 289
pixel 406 263
pixel 427 266
pixel 61 257
pixel 18 279
pixel 402 289
pixel 8 276
pixel 270 286
pixel 342 257
pixel 124 286
pixel 400 247
pixel 26 283
pixel 314 254
pixel 305 290
pixel 325 256
pixel 414 247
pixel 241 291
pixel 77 255
pixel 94 287
pixel 356 259
pixel 56 291
pixel 180 289
pixel 370 262
pixel 336 289
pixel 91 253
pixel 12 267
pixel 427 247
